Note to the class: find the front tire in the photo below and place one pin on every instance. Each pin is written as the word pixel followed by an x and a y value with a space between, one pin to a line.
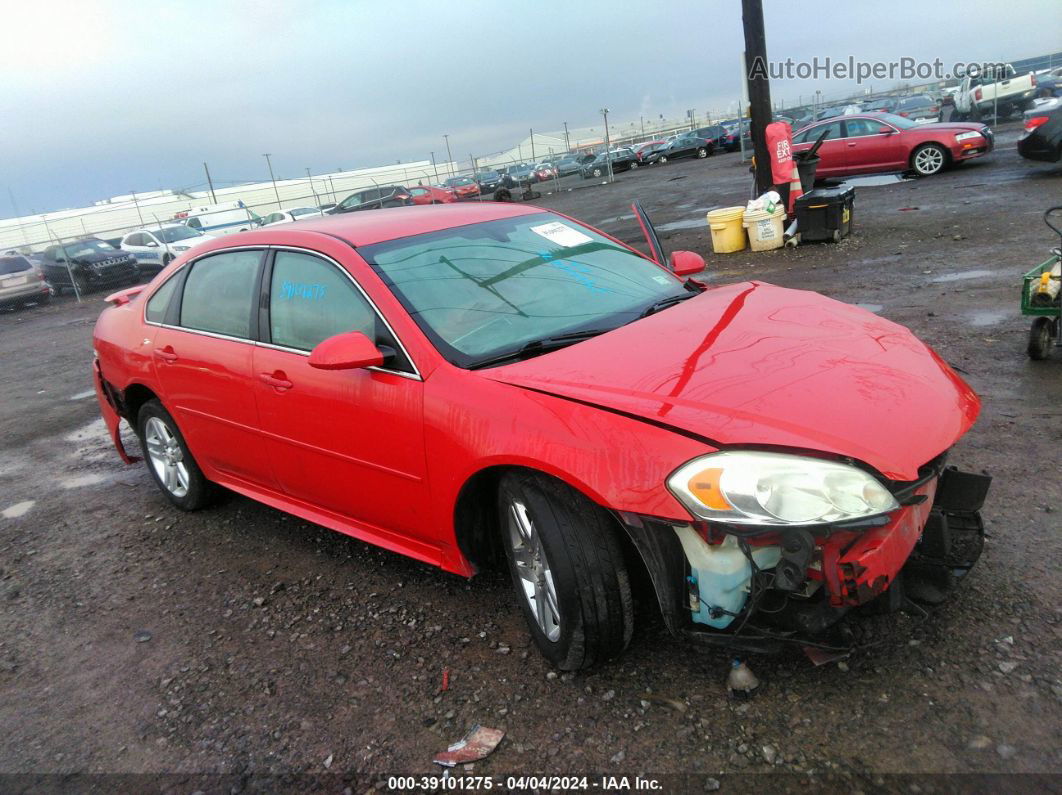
pixel 929 159
pixel 702 152
pixel 169 461
pixel 634 166
pixel 567 567
pixel 663 159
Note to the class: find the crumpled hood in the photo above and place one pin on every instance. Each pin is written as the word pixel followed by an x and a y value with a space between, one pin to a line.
pixel 755 364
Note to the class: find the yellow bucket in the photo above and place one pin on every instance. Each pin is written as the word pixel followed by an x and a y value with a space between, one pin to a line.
pixel 728 234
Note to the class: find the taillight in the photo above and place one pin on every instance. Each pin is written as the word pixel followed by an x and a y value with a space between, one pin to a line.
pixel 1033 79
pixel 978 95
pixel 903 114
pixel 934 109
pixel 1034 122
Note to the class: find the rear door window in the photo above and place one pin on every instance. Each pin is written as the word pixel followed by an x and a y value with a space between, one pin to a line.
pixel 10 265
pixel 160 301
pixel 219 294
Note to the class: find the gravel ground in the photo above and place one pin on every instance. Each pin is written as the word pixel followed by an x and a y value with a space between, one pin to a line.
pixel 239 640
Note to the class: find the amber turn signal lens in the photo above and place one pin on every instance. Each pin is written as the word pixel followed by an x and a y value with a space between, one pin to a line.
pixel 705 487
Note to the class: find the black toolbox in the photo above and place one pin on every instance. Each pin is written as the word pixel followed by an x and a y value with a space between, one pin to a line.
pixel 825 213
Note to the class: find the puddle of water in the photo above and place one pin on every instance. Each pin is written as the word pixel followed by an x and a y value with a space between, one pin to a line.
pixel 962 276
pixel 875 308
pixel 691 223
pixel 987 317
pixel 876 179
pixel 81 480
pixel 18 509
pixel 82 395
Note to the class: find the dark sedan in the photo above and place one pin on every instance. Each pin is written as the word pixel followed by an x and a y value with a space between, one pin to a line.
pixel 1042 137
pixel 488 181
pixel 686 146
pixel 86 264
pixel 622 160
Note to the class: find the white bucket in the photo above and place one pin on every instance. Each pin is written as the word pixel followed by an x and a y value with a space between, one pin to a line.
pixel 765 229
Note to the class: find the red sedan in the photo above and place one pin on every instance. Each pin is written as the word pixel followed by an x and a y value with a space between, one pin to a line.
pixel 871 142
pixel 463 187
pixel 429 194
pixel 475 383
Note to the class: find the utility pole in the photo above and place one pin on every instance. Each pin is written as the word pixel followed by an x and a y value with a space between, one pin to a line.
pixel 272 178
pixel 210 182
pixel 135 202
pixel 642 118
pixel 608 147
pixel 567 145
pixel 434 167
pixel 532 131
pixel 449 156
pixel 759 87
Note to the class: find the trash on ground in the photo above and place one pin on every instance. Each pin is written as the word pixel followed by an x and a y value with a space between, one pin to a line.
pixel 479 743
pixel 741 681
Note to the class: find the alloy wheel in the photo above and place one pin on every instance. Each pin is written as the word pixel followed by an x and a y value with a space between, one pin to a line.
pixel 167 457
pixel 536 577
pixel 929 160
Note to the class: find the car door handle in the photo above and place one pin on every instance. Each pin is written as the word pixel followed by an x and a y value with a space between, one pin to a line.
pixel 166 354
pixel 277 380
pixel 852 144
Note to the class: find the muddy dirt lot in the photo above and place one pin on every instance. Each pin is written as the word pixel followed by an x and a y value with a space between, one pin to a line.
pixel 136 639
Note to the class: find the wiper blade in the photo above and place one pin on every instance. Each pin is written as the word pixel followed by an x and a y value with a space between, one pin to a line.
pixel 543 345
pixel 664 303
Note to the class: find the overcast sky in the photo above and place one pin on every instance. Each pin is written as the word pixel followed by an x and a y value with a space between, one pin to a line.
pixel 102 97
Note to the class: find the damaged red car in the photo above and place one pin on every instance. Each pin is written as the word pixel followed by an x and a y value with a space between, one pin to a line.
pixel 478 384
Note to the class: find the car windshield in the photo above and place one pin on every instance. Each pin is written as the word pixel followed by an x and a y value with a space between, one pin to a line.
pixel 485 290
pixel 304 211
pixel 171 234
pixel 459 181
pixel 13 265
pixel 488 175
pixel 86 248
pixel 897 121
pixel 916 102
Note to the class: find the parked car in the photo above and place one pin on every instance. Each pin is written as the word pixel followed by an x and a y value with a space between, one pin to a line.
pixel 88 263
pixel 643 149
pixel 463 187
pixel 918 108
pixel 517 175
pixel 1041 138
pixel 684 146
pixel 488 181
pixel 881 105
pixel 544 171
pixel 219 219
pixel 447 382
pixel 873 142
pixel 374 198
pixel 984 95
pixel 622 160
pixel 290 215
pixel 430 194
pixel 571 164
pixel 716 133
pixel 156 248
pixel 21 283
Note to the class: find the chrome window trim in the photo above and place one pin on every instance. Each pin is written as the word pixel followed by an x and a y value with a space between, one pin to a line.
pixel 414 376
pixel 416 371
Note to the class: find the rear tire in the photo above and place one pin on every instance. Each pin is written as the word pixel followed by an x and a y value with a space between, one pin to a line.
pixel 169 461
pixel 1040 338
pixel 702 152
pixel 567 567
pixel 634 166
pixel 663 159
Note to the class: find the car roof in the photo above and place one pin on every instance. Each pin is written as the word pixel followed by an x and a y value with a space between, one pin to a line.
pixel 367 227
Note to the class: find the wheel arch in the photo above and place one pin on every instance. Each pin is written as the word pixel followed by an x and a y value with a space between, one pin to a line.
pixel 134 396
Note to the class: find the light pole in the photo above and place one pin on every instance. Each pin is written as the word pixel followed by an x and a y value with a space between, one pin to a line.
pixel 210 183
pixel 449 156
pixel 608 147
pixel 272 178
pixel 567 145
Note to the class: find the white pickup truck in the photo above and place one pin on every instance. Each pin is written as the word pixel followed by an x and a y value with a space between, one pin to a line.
pixel 982 96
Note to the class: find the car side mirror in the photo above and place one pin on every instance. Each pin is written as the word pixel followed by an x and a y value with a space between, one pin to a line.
pixel 885 131
pixel 685 263
pixel 152 244
pixel 349 351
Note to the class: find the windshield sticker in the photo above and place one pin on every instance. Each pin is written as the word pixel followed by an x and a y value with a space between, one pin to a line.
pixel 661 279
pixel 562 234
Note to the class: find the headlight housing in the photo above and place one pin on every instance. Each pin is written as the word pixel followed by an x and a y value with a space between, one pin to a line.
pixel 777 489
pixel 966 136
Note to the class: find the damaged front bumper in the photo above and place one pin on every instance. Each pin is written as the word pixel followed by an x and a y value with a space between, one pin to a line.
pixel 794 585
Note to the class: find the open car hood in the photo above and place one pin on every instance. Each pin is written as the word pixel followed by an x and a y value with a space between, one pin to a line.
pixel 752 364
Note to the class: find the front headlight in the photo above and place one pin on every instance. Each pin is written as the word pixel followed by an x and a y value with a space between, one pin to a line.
pixel 747 487
pixel 967 136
